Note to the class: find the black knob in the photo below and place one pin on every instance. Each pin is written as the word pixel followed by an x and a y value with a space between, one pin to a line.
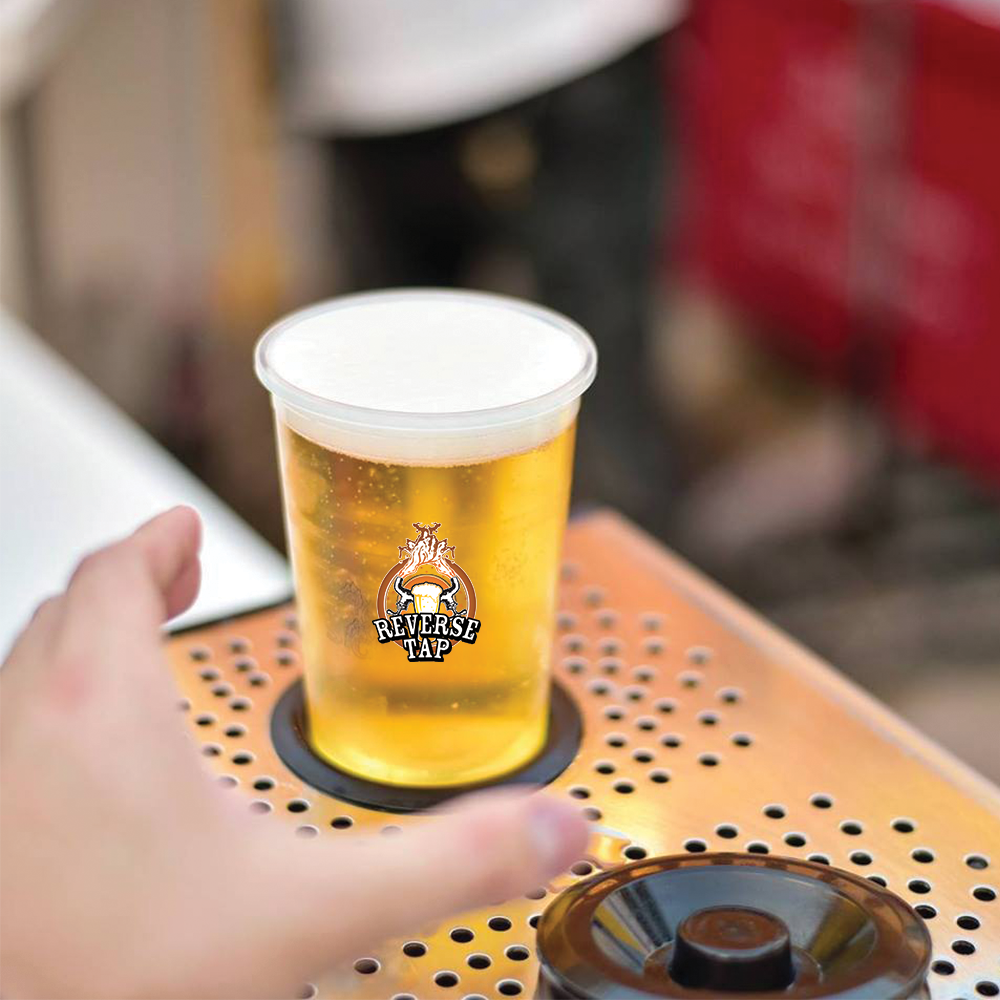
pixel 732 948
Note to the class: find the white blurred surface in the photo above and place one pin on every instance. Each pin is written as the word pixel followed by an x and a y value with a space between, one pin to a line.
pixel 76 473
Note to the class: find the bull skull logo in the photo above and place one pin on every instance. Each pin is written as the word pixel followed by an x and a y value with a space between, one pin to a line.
pixel 427 582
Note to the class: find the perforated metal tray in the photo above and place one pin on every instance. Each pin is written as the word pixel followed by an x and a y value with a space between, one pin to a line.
pixel 704 729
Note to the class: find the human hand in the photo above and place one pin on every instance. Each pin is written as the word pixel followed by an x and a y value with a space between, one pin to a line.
pixel 125 871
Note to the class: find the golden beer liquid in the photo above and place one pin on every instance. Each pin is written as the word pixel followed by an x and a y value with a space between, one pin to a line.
pixel 483 710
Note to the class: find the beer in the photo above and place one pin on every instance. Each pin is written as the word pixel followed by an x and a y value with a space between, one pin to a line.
pixel 425 547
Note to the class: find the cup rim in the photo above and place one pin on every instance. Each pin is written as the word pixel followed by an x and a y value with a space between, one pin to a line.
pixel 371 417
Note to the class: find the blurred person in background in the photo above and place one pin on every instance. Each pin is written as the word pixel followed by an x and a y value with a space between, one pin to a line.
pixel 513 146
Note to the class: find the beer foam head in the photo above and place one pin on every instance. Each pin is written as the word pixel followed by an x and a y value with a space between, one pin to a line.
pixel 426 375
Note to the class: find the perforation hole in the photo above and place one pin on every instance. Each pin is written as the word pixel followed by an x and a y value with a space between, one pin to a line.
pixel 498 924
pixel 984 893
pixel 878 880
pixel 654 647
pixel 410 996
pixel 708 760
pixel 211 750
pixel 774 811
pixel 672 740
pixel 963 947
pixel 565 621
pixel 477 960
pixel 594 596
pixel 310 991
pixel 795 839
pixel 517 953
pixel 209 674
pixel 184 705
pixel 366 966
pixel 851 827
pixel 575 664
pixel 644 675
pixel 238 645
pixel 758 847
pixel 391 830
pixel 243 758
pixel 689 679
pixel 635 693
pixel 729 696
pixel 260 806
pixel 659 777
pixel 860 858
pixel 599 688
pixel 228 781
pixel 623 787
pixel 199 654
pixel 615 740
pixel 582 868
pixel 222 690
pixel 708 718
pixel 943 967
pixel 592 813
pixel 240 704
pixel 235 732
pixel 580 792
pixel 446 979
pixel 695 845
pixel 285 659
pixel 821 801
pixel 634 852
pixel 307 831
pixel 285 639
pixel 820 859
pixel 903 825
pixel 727 831
pixel 341 822
pixel 574 643
pixel 509 987
pixel 264 784
pixel 607 618
pixel 533 920
pixel 461 935
pixel 245 665
pixel 298 806
pixel 610 647
pixel 925 910
pixel 204 720
pixel 665 705
pixel 919 886
pixel 605 767
pixel 987 988
pixel 259 679
pixel 968 922
pixel 645 723
pixel 977 861
pixel 742 739
pixel 610 666
pixel 922 855
pixel 614 713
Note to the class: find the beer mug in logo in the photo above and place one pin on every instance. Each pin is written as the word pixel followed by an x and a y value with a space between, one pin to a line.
pixel 427 589
pixel 426 659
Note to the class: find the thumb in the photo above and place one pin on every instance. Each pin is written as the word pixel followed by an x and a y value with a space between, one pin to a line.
pixel 488 848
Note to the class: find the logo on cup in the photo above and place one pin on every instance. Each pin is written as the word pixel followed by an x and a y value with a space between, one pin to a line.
pixel 428 589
